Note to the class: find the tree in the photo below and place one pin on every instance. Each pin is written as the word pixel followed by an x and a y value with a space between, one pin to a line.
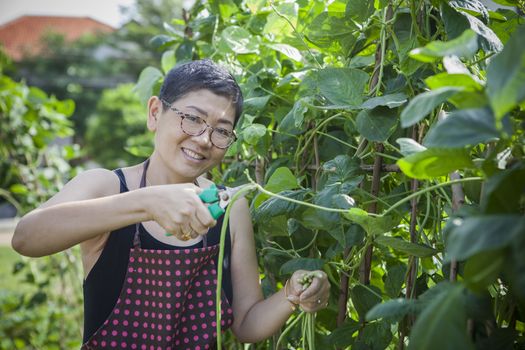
pixel 119 116
pixel 147 20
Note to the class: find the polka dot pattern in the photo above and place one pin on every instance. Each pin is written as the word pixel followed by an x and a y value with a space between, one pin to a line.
pixel 167 302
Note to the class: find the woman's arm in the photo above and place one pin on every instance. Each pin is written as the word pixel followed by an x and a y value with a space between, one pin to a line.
pixel 91 205
pixel 87 206
pixel 256 318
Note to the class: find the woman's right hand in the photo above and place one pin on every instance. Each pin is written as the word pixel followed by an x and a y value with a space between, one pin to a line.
pixel 179 210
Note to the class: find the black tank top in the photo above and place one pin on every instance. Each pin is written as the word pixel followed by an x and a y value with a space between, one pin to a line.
pixel 104 282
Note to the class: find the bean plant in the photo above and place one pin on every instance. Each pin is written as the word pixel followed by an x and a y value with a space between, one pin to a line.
pixel 386 142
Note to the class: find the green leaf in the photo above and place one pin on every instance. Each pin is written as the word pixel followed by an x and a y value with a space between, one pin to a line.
pixel 376 124
pixel 342 169
pixel 309 264
pixel 503 192
pixel 311 219
pixel 296 114
pixel 343 201
pixel 456 22
pixel 343 86
pixel 474 7
pixel 255 104
pixel 287 50
pixel 469 99
pixel 406 41
pixel 434 162
pixel 354 236
pixel 253 133
pixel 332 31
pixel 372 225
pixel 162 40
pixel 477 234
pixel 506 76
pixel 409 146
pixel 514 267
pixel 342 336
pixel 376 335
pixel 148 78
pixel 325 198
pixel 279 26
pixel 442 323
pixel 391 101
pixel 65 107
pixel 489 40
pixel 239 40
pixel 394 279
pixel 255 5
pixel 18 189
pixel 282 179
pixel 419 250
pixel 184 51
pixel 364 298
pixel 505 27
pixel 168 60
pixel 465 46
pixel 464 127
pixel 276 206
pixel 394 309
pixel 511 3
pixel 424 103
pixel 461 80
pixel 482 269
pixel 359 10
pixel 227 8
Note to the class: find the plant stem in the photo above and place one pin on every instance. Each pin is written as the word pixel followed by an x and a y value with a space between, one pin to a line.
pixel 343 293
pixel 290 327
pixel 431 188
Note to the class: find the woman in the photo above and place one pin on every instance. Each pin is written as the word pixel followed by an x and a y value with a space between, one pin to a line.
pixel 145 288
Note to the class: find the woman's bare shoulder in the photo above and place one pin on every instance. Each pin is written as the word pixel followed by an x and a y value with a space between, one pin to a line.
pixel 89 184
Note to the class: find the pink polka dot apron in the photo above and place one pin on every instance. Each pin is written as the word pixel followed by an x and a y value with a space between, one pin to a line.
pixel 167 301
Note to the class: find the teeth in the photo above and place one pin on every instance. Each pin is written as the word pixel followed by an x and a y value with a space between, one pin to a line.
pixel 193 154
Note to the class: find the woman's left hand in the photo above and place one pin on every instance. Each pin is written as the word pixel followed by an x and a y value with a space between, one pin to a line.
pixel 309 289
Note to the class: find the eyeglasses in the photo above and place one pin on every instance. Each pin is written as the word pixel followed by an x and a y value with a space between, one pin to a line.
pixel 195 126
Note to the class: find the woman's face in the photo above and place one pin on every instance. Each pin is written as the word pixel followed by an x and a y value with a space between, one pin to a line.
pixel 185 155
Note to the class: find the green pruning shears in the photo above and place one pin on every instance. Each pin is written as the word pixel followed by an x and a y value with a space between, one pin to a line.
pixel 218 199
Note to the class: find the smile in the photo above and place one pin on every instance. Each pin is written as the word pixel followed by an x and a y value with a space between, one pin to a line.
pixel 192 154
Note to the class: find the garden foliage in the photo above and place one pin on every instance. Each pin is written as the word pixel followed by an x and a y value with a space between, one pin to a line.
pixel 399 126
pixel 39 304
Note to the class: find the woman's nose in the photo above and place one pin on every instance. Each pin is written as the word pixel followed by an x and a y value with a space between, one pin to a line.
pixel 205 137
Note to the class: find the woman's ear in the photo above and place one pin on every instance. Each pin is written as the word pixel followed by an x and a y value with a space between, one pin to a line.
pixel 154 111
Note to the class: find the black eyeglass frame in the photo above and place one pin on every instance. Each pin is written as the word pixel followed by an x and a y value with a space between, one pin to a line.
pixel 187 115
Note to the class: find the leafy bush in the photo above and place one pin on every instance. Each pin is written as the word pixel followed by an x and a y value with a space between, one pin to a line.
pixel 44 311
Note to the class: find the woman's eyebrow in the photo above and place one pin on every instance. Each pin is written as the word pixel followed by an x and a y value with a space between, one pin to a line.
pixel 200 110
pixel 203 112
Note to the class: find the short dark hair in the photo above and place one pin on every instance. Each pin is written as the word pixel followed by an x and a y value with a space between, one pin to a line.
pixel 197 75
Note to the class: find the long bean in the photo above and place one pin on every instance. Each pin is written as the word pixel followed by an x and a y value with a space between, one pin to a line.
pixel 222 241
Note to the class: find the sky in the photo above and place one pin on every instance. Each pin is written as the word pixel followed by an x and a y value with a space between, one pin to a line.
pixel 106 11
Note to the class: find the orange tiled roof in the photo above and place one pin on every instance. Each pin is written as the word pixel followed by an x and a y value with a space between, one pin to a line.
pixel 22 36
